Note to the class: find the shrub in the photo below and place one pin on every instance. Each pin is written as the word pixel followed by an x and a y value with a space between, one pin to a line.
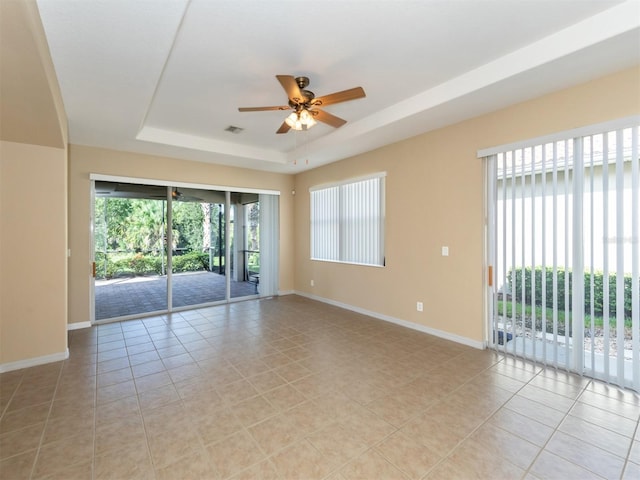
pixel 190 262
pixel 564 281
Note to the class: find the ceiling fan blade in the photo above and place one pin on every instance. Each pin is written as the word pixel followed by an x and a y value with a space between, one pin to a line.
pixel 261 109
pixel 290 86
pixel 327 118
pixel 343 96
pixel 284 128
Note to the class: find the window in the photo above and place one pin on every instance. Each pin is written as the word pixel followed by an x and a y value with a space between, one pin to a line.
pixel 347 221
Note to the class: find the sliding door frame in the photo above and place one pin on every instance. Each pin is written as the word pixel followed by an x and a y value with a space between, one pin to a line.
pixel 93 177
pixel 575 235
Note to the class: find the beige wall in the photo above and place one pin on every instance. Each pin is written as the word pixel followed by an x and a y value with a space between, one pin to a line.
pixel 435 198
pixel 33 194
pixel 33 263
pixel 84 161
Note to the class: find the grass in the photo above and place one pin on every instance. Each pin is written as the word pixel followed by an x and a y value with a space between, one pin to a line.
pixel 529 310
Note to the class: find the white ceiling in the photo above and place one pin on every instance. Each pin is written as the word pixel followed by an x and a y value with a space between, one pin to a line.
pixel 167 77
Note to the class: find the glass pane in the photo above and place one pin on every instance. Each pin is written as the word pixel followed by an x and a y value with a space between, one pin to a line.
pixel 245 246
pixel 198 247
pixel 130 252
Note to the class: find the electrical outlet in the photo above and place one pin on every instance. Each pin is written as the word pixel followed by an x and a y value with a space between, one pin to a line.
pixel 313 283
pixel 419 306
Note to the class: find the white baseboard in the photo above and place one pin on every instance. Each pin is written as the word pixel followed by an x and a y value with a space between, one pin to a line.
pixel 78 325
pixel 414 326
pixel 34 362
pixel 286 292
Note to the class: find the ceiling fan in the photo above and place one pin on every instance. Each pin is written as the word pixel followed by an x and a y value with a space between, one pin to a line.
pixel 305 104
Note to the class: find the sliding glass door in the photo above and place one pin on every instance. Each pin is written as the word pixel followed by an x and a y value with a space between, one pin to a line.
pixel 210 254
pixel 198 265
pixel 564 222
pixel 130 257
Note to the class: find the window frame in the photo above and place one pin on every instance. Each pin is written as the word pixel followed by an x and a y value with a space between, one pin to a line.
pixel 344 224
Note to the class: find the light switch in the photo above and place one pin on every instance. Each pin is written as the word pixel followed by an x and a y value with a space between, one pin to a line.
pixel 445 251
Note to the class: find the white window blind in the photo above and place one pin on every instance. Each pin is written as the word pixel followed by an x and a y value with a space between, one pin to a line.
pixel 564 218
pixel 347 221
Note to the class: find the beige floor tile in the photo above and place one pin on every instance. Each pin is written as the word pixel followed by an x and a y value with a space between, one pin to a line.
pixel 274 434
pixel 125 463
pixel 18 419
pixel 116 392
pixel 371 465
pixel 628 409
pixel 158 397
pixel 570 390
pixel 253 410
pixel 603 418
pixel 552 467
pixel 337 444
pixel 586 455
pixel 150 382
pixel 29 396
pixel 634 454
pixel 167 449
pixel 59 428
pixel 394 409
pixel 20 441
pixel 292 371
pixel 185 372
pixel 613 392
pixel 193 467
pixel 113 364
pixel 108 412
pixel 527 428
pixel 312 386
pixel 308 417
pixel 147 368
pixel 427 431
pixel 546 397
pixel 500 443
pixel 631 471
pixel 414 459
pixel 301 460
pixel 217 425
pixel 122 431
pixel 260 471
pixel 236 392
pixel 19 466
pixel 78 471
pixel 234 454
pixel 57 456
pixel 266 381
pixel 114 376
pixel 536 411
pixel 251 368
pixel 600 437
pixel 284 397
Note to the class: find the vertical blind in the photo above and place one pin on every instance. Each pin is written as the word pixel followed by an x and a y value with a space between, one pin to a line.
pixel 564 226
pixel 347 221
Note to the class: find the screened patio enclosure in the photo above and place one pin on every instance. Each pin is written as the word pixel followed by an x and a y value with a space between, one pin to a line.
pixel 158 248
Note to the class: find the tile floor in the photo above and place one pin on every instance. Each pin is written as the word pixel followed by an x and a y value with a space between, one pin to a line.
pixel 290 388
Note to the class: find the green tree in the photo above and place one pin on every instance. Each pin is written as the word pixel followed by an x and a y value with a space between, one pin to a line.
pixel 188 220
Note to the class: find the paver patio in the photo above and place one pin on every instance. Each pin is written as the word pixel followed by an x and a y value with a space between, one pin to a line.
pixel 135 295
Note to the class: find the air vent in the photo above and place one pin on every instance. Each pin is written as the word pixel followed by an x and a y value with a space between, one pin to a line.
pixel 233 129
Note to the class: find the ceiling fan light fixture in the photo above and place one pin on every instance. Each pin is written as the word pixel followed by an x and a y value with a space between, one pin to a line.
pixel 302 120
